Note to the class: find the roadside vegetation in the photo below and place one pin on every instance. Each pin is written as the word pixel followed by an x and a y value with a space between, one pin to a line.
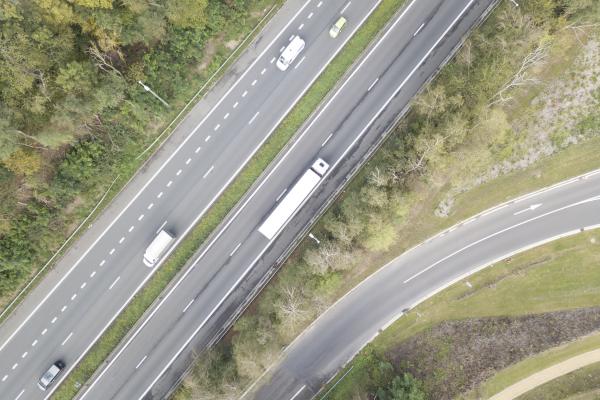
pixel 517 109
pixel 72 115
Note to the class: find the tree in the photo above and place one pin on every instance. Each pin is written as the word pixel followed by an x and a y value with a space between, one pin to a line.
pixel 381 234
pixel 405 387
pixel 23 162
pixel 432 102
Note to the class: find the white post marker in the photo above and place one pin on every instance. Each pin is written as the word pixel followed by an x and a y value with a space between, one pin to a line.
pixel 313 237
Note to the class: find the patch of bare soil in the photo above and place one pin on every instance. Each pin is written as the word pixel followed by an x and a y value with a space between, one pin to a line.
pixel 456 356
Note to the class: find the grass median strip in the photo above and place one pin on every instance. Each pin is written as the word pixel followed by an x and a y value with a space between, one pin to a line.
pixel 303 109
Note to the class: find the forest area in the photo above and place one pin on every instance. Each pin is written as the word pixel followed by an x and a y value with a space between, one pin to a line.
pixel 72 114
pixel 522 88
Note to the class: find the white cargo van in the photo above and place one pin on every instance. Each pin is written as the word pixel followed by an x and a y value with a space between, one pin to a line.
pixel 157 248
pixel 290 53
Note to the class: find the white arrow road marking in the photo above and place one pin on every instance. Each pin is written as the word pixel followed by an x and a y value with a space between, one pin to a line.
pixel 530 208
pixel 591 199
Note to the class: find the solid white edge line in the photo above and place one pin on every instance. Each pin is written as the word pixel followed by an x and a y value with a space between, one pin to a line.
pixel 68 273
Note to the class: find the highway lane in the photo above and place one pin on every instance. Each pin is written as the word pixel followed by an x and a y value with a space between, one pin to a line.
pixel 72 314
pixel 193 307
pixel 422 271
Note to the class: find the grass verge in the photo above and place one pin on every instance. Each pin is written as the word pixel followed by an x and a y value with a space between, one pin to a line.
pixel 290 125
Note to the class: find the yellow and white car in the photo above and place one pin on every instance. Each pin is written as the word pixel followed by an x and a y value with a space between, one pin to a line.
pixel 337 27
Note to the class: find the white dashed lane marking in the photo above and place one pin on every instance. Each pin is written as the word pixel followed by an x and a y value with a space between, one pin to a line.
pixel 150 206
pixel 299 62
pixel 209 171
pixel 300 27
pixel 122 239
pixel 310 15
pixel 235 104
pixel 104 261
pixel 254 82
pixel 83 285
pixel 140 363
pixel 63 308
pixel 253 118
pixel 74 296
pixel 15 366
pixel 178 172
pixel 207 138
pixel 24 355
pixel 272 60
pixel 4 378
pixel 169 183
pixel 67 339
pixel 159 195
pixel 53 320
pixel 263 71
pixel 198 149
pixel 217 127
pixel 34 343
pixel 345 7
pixel 92 274
pixel 114 283
pixel 140 217
pixel 245 93
pixel 188 161
pixel 226 116
pixel 44 332
pixel 188 305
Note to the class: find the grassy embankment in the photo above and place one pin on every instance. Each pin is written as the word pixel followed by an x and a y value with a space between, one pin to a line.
pixel 229 198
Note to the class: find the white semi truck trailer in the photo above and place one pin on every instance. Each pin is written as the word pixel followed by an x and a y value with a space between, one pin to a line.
pixel 293 199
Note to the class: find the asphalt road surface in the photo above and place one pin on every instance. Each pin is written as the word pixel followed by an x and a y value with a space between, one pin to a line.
pixel 237 258
pixel 67 312
pixel 419 273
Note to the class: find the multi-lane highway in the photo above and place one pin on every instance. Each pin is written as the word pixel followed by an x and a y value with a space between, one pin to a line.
pixel 356 319
pixel 68 312
pixel 237 258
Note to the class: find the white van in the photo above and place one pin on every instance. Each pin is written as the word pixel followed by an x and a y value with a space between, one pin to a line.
pixel 157 248
pixel 290 53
